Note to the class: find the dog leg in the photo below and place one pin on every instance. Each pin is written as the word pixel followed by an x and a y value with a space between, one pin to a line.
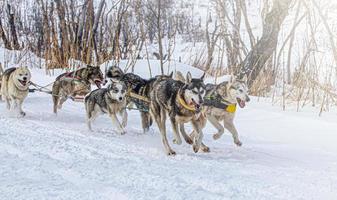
pixel 217 125
pixel 20 108
pixel 229 125
pixel 8 104
pixel 197 139
pixel 187 139
pixel 124 118
pixel 161 124
pixel 61 101
pixel 177 138
pixel 117 124
pixel 203 147
pixel 145 121
pixel 92 114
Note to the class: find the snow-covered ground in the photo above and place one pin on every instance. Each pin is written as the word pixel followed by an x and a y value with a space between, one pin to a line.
pixel 285 155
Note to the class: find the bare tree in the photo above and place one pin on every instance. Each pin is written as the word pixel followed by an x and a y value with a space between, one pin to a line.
pixel 266 45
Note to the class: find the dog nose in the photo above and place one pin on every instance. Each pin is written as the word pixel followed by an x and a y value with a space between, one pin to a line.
pixel 120 98
pixel 24 78
pixel 247 98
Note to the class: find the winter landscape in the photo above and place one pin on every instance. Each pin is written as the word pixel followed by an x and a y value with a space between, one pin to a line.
pixel 288 127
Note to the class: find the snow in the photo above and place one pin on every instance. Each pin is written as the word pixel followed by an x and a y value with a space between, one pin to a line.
pixel 285 155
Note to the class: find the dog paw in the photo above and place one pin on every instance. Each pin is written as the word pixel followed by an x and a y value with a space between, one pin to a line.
pixel 238 143
pixel 171 153
pixel 123 132
pixel 196 148
pixel 216 136
pixel 22 114
pixel 205 149
pixel 175 141
pixel 188 140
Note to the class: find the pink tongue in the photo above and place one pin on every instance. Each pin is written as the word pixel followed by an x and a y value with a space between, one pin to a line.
pixel 242 104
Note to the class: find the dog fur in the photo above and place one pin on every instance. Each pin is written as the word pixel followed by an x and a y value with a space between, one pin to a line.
pixel 165 100
pixel 14 88
pixel 64 86
pixel 110 100
pixel 68 87
pixel 234 92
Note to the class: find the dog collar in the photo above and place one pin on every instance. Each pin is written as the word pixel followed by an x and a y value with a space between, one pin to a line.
pixel 220 103
pixel 184 104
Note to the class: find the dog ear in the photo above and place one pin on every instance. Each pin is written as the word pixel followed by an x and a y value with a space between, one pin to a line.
pixel 188 78
pixel 171 75
pixel 203 76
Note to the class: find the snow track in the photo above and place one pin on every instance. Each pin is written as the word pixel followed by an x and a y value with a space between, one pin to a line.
pixel 285 155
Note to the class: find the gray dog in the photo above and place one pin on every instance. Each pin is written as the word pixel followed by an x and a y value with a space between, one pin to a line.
pixel 182 101
pixel 111 101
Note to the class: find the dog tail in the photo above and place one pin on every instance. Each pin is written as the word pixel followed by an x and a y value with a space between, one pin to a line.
pixel 55 95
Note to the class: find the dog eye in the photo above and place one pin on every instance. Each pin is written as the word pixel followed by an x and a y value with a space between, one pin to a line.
pixel 240 90
pixel 195 92
pixel 115 91
pixel 20 74
pixel 202 91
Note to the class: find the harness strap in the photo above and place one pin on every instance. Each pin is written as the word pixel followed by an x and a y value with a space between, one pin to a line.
pixel 218 103
pixel 184 104
pixel 139 97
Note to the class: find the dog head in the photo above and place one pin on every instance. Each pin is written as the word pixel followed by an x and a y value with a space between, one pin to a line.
pixel 114 72
pixel 117 91
pixel 22 77
pixel 95 75
pixel 238 91
pixel 194 91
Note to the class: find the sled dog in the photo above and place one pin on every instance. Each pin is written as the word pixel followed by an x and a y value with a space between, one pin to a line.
pixel 139 86
pixel 69 88
pixel 182 101
pixel 110 100
pixel 82 78
pixel 220 104
pixel 14 88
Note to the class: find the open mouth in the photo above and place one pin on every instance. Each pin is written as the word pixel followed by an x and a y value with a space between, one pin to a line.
pixel 98 83
pixel 195 105
pixel 24 83
pixel 241 103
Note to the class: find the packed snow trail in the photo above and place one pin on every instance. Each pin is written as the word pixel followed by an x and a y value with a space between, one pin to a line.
pixel 285 155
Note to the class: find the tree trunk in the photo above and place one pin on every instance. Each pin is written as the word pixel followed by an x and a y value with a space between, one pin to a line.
pixel 265 47
pixel 11 19
pixel 4 37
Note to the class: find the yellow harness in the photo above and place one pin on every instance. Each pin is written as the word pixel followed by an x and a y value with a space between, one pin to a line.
pixel 231 108
pixel 185 105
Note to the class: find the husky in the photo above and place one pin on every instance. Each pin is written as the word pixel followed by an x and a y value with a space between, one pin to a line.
pixel 14 87
pixel 114 73
pixel 139 86
pixel 84 76
pixel 69 87
pixel 220 104
pixel 182 101
pixel 110 100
